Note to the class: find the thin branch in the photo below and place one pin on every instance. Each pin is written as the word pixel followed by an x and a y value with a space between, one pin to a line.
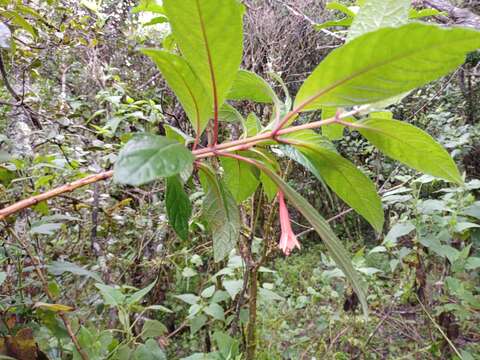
pixel 241 144
pixel 17 97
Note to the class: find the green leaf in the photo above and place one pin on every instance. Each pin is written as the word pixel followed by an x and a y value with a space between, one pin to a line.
pixel 385 63
pixel 350 184
pixel 179 208
pixel 149 351
pixel 152 329
pixel 253 125
pixel 377 14
pixel 210 36
pixel 3 277
pixel 190 92
pixel 229 114
pixel 250 86
pixel 188 298
pixel 156 21
pixel 215 311
pixel 137 296
pixel 331 131
pixel 111 295
pixel 148 5
pixel 60 267
pixel 221 212
pixel 333 244
pixel 239 178
pixel 19 21
pixel 149 157
pixel 423 13
pixel 340 7
pixel 411 146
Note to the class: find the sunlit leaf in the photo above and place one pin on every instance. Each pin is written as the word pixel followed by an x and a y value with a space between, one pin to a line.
pixel 385 63
pixel 410 145
pixel 210 37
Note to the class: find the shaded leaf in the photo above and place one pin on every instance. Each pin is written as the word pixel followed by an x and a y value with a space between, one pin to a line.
pixel 149 157
pixel 221 212
pixel 239 178
pixel 179 208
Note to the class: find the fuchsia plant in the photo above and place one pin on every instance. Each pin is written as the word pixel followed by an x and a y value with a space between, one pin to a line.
pixel 288 240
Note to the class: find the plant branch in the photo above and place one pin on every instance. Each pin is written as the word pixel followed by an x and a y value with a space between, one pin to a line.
pixel 17 97
pixel 221 149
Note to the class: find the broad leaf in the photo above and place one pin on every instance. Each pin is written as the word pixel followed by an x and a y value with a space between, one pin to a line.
pixel 229 114
pixel 331 131
pixel 239 178
pixel 60 267
pixel 411 146
pixel 210 36
pixel 349 183
pixel 250 86
pixel 253 125
pixel 179 208
pixel 221 212
pixel 336 250
pixel 149 351
pixel 192 95
pixel 149 157
pixel 385 63
pixel 377 14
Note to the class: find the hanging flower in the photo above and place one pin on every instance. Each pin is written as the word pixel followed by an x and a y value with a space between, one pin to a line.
pixel 288 240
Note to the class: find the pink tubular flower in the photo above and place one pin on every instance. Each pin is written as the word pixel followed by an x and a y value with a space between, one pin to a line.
pixel 288 240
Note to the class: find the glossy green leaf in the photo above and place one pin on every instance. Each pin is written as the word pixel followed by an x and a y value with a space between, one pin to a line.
pixel 385 63
pixel 179 208
pixel 239 178
pixel 343 177
pixel 192 95
pixel 250 86
pixel 377 14
pixel 221 212
pixel 149 157
pixel 336 250
pixel 411 146
pixel 210 37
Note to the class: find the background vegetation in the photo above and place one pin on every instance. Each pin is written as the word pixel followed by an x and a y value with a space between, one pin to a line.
pixel 101 270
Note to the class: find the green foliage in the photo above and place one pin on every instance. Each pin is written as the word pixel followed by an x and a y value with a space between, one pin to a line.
pixel 221 210
pixel 408 144
pixel 192 95
pixel 209 35
pixel 362 72
pixel 179 209
pixel 377 14
pixel 239 178
pixel 148 157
